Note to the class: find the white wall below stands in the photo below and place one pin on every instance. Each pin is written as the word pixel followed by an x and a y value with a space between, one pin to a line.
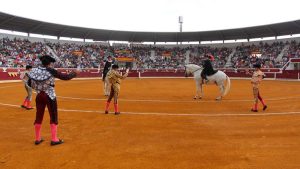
pixel 218 45
pixel 290 66
pixel 43 40
pixel 293 66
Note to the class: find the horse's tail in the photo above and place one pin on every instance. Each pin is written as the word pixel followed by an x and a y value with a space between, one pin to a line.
pixel 227 86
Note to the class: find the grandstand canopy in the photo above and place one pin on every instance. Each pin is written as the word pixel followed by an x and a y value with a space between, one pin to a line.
pixel 16 23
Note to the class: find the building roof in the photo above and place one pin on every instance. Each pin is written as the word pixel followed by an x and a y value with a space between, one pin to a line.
pixel 16 23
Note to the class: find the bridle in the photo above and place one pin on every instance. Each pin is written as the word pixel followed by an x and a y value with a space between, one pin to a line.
pixel 193 71
pixel 196 70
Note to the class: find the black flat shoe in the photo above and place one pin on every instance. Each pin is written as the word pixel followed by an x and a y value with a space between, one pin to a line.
pixel 117 113
pixel 265 107
pixel 37 142
pixel 106 112
pixel 254 110
pixel 53 143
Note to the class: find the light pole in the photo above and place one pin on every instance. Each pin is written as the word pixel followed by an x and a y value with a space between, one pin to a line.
pixel 180 21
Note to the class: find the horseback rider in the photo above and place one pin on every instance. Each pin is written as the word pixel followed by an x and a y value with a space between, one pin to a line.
pixel 208 69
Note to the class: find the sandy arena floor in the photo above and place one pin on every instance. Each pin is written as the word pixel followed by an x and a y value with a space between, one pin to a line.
pixel 161 127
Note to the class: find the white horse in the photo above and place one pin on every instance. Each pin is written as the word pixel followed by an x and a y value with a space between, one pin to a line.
pixel 218 78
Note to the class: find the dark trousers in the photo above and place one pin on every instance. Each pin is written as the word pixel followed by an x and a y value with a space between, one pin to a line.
pixel 203 75
pixel 42 100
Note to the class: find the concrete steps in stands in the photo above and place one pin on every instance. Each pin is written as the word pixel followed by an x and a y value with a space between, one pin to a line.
pixel 228 63
pixel 187 57
pixel 282 53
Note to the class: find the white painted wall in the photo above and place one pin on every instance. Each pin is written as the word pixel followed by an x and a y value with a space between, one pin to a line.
pixel 218 45
pixel 43 40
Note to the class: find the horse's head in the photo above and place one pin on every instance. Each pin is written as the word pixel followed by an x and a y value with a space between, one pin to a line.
pixel 190 69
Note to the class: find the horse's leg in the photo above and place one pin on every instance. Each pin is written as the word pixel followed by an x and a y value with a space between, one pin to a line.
pixel 221 87
pixel 201 90
pixel 197 89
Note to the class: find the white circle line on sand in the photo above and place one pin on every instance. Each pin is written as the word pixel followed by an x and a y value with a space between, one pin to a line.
pixel 3 87
pixel 178 114
pixel 166 101
pixel 177 101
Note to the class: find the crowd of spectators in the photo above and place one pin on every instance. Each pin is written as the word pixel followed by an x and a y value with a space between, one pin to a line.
pixel 21 52
pixel 76 55
pixel 292 52
pixel 154 57
pixel 264 53
pixel 17 52
pixel 220 55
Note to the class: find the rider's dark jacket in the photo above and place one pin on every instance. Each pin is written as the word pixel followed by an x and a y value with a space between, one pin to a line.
pixel 208 69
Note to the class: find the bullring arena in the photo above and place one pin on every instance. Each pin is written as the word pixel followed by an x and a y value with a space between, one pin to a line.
pixel 160 126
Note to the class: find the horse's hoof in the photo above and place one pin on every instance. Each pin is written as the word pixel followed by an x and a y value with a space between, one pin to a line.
pixel 219 98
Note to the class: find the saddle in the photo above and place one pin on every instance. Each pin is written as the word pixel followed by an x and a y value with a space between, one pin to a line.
pixel 206 72
pixel 210 73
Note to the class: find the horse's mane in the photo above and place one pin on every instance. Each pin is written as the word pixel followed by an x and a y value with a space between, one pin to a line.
pixel 193 65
